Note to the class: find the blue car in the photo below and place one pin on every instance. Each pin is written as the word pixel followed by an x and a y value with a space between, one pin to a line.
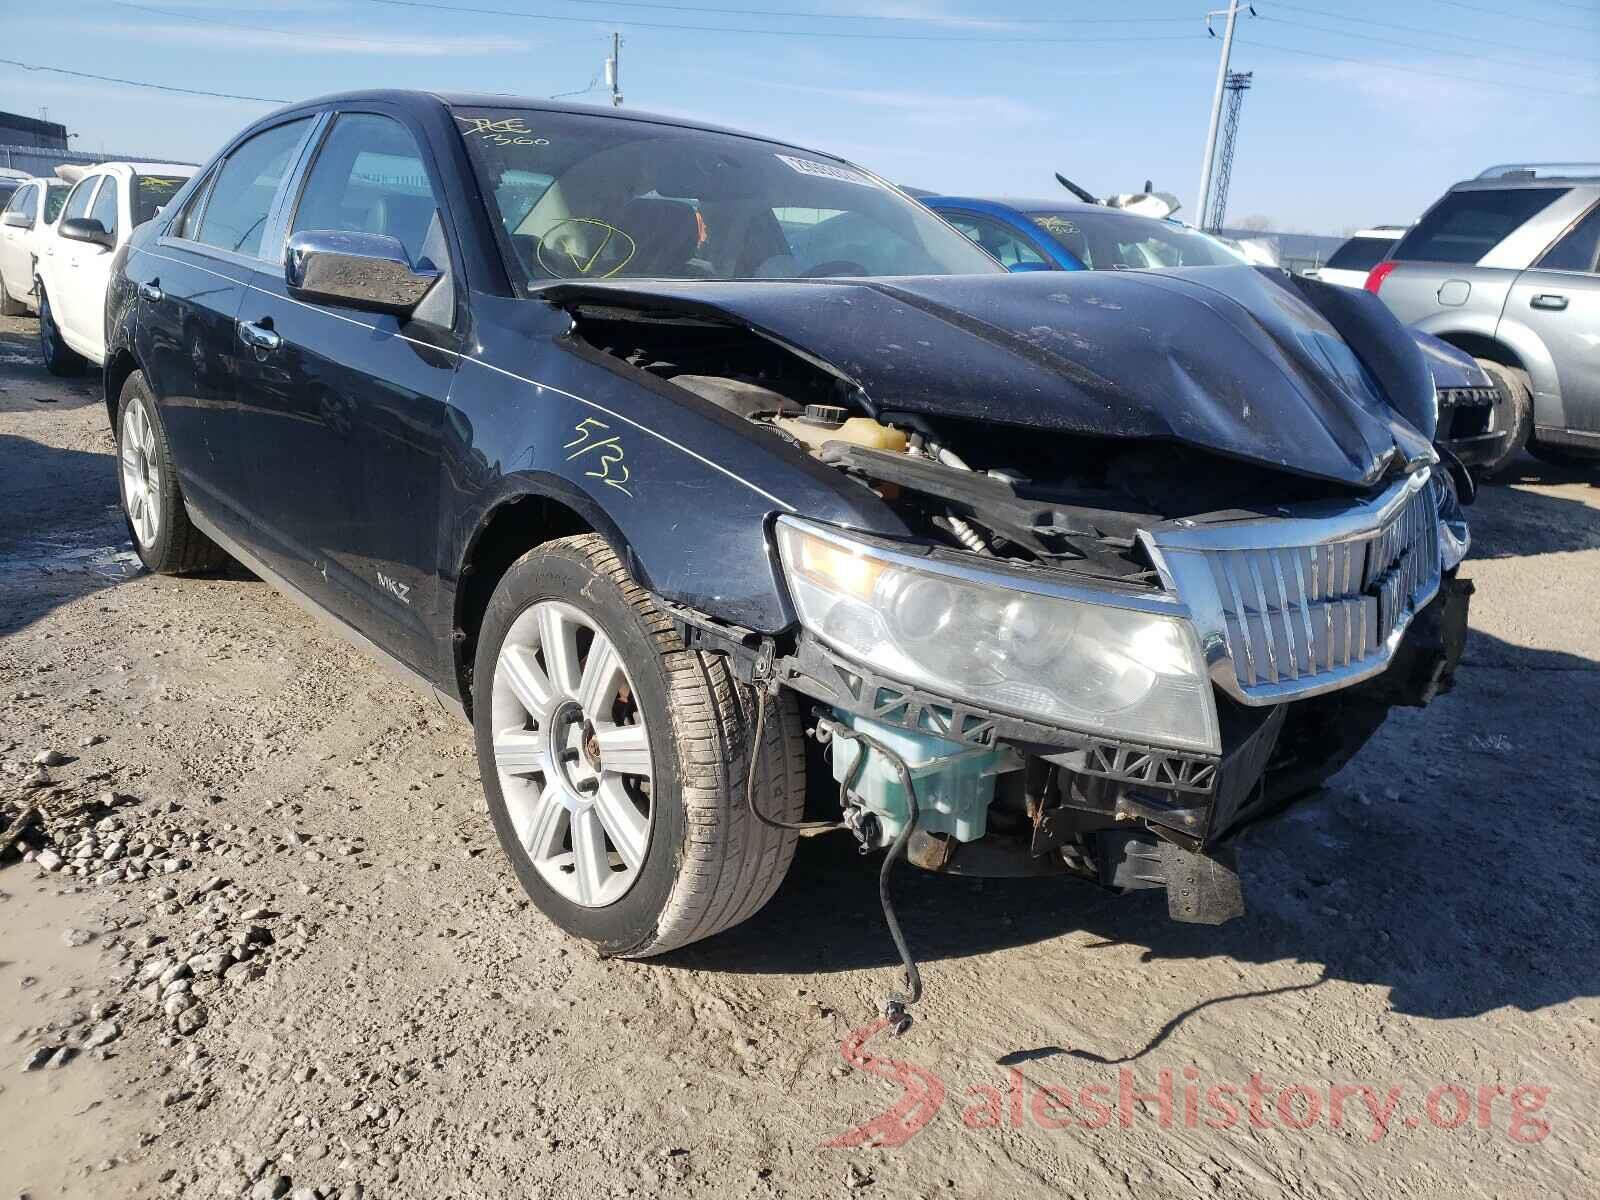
pixel 1066 235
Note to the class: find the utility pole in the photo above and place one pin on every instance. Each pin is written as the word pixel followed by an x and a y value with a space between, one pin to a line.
pixel 1238 84
pixel 1232 13
pixel 613 69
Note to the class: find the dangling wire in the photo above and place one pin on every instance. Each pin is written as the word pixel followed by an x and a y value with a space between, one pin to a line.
pixel 803 828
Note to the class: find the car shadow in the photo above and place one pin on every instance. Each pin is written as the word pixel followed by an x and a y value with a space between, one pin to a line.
pixel 23 377
pixel 1509 520
pixel 1421 870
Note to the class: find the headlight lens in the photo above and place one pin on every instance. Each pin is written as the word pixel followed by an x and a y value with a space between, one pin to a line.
pixel 1057 660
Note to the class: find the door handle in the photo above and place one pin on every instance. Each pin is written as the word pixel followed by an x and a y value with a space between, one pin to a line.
pixel 1551 300
pixel 151 291
pixel 260 336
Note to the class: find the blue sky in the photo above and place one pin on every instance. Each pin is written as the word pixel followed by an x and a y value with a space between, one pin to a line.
pixel 1361 111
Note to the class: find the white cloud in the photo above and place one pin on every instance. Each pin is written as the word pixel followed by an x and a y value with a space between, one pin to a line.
pixel 309 40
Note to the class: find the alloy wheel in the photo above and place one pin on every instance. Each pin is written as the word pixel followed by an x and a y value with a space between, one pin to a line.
pixel 572 753
pixel 141 474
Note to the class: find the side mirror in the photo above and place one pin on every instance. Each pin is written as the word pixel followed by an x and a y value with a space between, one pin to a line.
pixel 363 270
pixel 1028 266
pixel 87 229
pixel 19 220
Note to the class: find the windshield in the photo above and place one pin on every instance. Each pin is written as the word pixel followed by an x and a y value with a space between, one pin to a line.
pixel 584 197
pixel 151 193
pixel 1113 241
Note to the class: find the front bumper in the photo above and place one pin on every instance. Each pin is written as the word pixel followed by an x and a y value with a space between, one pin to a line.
pixel 1466 424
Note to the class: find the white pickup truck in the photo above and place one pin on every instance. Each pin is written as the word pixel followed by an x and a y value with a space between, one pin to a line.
pixel 107 201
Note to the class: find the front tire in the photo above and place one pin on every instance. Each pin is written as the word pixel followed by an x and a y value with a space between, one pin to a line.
pixel 614 761
pixel 59 358
pixel 158 524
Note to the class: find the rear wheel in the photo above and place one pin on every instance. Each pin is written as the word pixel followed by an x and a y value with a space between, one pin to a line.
pixel 1513 410
pixel 10 307
pixel 166 540
pixel 59 358
pixel 614 761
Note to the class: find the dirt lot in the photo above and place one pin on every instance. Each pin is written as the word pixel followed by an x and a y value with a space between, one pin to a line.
pixel 399 1023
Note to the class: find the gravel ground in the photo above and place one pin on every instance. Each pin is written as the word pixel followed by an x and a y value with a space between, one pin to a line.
pixel 281 954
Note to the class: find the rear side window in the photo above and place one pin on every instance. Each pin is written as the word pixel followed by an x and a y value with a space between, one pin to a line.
pixel 151 194
pixel 54 197
pixel 22 200
pixel 236 215
pixel 1576 251
pixel 105 206
pixel 1466 225
pixel 78 203
pixel 1360 254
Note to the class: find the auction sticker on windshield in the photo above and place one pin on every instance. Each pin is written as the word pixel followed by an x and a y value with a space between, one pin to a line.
pixel 808 166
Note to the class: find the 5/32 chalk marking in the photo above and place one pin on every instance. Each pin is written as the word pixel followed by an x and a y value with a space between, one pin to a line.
pixel 613 470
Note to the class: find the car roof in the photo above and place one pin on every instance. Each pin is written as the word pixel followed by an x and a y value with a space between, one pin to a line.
pixel 137 168
pixel 417 100
pixel 1022 204
pixel 1391 232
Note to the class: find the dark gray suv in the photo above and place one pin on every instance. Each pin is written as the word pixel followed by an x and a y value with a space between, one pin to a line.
pixel 1504 266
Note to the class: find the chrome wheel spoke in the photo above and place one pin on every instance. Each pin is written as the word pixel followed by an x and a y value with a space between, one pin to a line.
pixel 598 687
pixel 591 867
pixel 541 827
pixel 534 691
pixel 625 825
pixel 558 638
pixel 624 749
pixel 519 752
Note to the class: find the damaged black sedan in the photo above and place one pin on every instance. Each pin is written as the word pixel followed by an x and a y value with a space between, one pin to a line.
pixel 686 464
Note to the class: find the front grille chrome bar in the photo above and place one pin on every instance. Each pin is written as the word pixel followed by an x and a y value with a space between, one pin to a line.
pixel 1313 598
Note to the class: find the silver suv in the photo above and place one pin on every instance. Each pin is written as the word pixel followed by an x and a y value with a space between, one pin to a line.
pixel 1504 266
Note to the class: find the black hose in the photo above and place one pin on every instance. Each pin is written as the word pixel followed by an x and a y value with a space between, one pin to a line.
pixel 895 1004
pixel 804 828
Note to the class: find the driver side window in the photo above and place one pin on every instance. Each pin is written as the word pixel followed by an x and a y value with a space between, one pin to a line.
pixel 369 177
pixel 78 202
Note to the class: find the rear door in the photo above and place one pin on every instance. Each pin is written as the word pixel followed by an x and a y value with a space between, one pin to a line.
pixel 343 414
pixel 15 267
pixel 1558 300
pixel 191 283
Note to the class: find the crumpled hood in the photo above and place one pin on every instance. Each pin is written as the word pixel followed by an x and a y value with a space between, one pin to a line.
pixel 1254 364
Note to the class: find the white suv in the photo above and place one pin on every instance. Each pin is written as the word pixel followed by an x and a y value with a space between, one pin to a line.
pixel 1348 265
pixel 75 257
pixel 26 221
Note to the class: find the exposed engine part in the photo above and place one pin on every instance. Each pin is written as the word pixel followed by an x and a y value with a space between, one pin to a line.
pixel 896 1005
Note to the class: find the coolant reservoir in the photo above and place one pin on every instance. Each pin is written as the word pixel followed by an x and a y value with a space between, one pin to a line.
pixel 823 423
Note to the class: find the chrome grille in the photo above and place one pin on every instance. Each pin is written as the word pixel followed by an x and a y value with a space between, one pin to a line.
pixel 1304 602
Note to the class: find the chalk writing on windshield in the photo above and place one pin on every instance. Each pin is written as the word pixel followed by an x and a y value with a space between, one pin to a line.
pixel 511 131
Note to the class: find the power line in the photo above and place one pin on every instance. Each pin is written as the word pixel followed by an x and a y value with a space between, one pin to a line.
pixel 160 87
pixel 1460 37
pixel 784 33
pixel 1499 12
pixel 1387 41
pixel 1411 70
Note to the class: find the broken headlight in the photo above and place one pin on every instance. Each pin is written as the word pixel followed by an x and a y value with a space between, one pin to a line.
pixel 1115 664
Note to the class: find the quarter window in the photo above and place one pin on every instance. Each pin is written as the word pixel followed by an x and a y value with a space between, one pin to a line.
pixel 22 202
pixel 369 177
pixel 1466 225
pixel 1576 251
pixel 241 199
pixel 78 202
pixel 105 206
